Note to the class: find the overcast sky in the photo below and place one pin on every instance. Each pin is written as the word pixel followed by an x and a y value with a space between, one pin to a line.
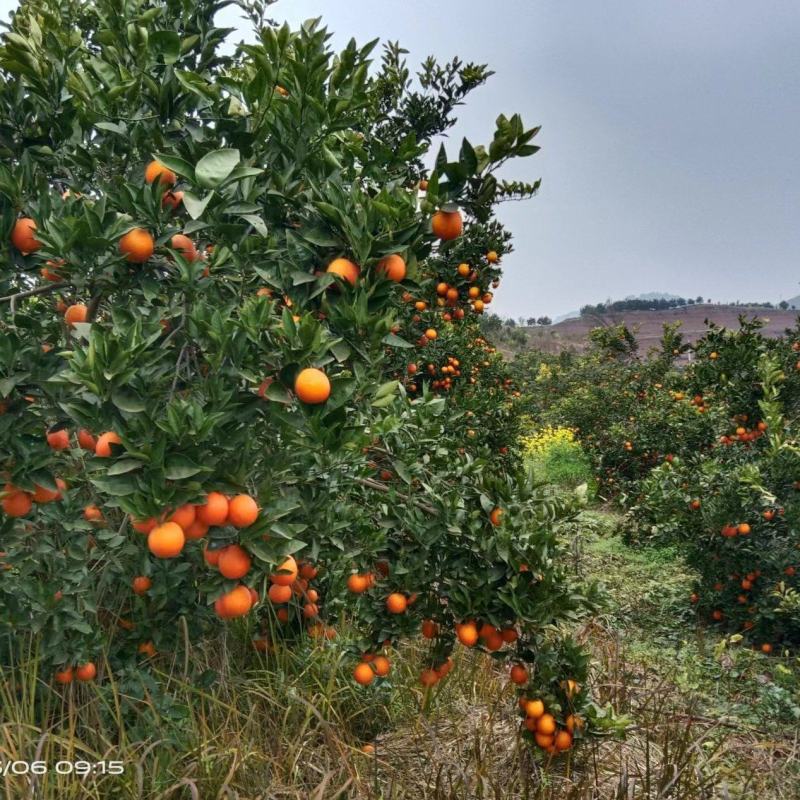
pixel 670 136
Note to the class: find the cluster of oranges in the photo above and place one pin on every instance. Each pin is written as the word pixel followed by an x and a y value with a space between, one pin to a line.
pixel 544 727
pixel 167 536
pixel 83 672
pixel 469 633
pixel 697 400
pixel 739 529
pixel 743 434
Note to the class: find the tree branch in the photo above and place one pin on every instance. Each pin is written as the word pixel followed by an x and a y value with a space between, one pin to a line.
pixel 382 487
pixel 51 287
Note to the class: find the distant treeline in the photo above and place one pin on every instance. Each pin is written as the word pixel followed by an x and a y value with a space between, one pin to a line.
pixel 639 304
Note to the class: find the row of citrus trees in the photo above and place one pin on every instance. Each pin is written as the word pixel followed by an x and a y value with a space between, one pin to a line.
pixel 241 380
pixel 706 455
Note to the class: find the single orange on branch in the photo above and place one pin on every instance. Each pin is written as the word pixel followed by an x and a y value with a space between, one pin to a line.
pixel 137 245
pixel 447 225
pixel 344 269
pixel 312 386
pixel 393 267
pixel 23 236
pixel 155 170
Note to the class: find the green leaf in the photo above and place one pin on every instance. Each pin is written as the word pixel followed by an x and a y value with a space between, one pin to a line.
pixel 386 389
pixel 194 83
pixel 176 164
pixel 124 465
pixel 167 44
pixel 279 393
pixel 257 223
pixel 212 169
pixel 395 341
pixel 194 205
pixel 127 401
pixel 114 127
pixel 178 467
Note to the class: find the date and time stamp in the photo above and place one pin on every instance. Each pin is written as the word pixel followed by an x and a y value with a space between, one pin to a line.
pixel 81 769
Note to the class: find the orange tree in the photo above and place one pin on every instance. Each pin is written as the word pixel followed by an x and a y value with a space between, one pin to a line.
pixel 207 326
pixel 734 508
pixel 631 413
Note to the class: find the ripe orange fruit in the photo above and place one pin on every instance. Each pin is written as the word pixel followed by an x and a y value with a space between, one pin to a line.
pixel 137 245
pixel 464 270
pixel 58 440
pixel 211 557
pixel 171 199
pixel 509 635
pixel 467 633
pixel 447 225
pixel 363 674
pixel 496 516
pixel 312 386
pixel 197 530
pixel 183 516
pixel 76 313
pixel 478 306
pixel 519 674
pixel 279 594
pixel 368 749
pixel 382 666
pixel 428 677
pixel 563 740
pixel 166 541
pixel 345 269
pixel 743 529
pixel 184 245
pixel 358 583
pixel 156 170
pixel 766 648
pixel 286 574
pixel 86 672
pixel 42 495
pixel 50 271
pixel 543 740
pixel 64 676
pixel 429 629
pixel 431 333
pixel 534 708
pixel 236 603
pixel 215 510
pixel 147 649
pixel 16 503
pixel 104 442
pixel 393 267
pixel 492 257
pixel 143 525
pixel 546 724
pixel 93 514
pixel 141 585
pixel 23 236
pixel 308 571
pixel 234 562
pixel 396 603
pixel 573 721
pixel 242 511
pixel 86 441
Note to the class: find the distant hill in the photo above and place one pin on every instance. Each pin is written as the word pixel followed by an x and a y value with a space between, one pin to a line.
pixel 573 334
pixel 646 296
pixel 794 301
